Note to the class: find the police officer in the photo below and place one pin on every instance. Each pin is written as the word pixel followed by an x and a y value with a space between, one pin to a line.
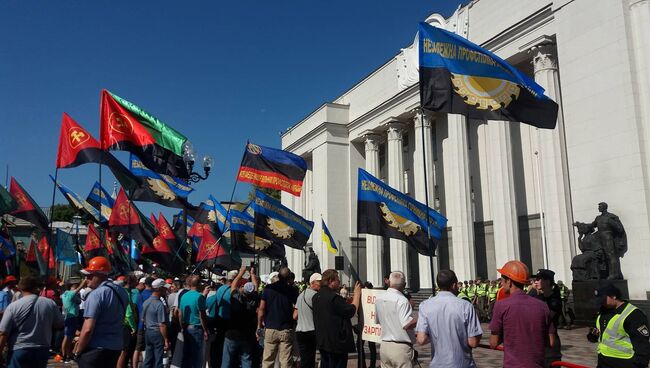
pixel 565 317
pixel 471 292
pixel 493 289
pixel 621 331
pixel 461 292
pixel 549 293
pixel 481 298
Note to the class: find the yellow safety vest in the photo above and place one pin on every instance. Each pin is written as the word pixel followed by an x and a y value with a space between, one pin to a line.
pixel 614 341
pixel 481 290
pixel 563 291
pixel 492 294
pixel 471 291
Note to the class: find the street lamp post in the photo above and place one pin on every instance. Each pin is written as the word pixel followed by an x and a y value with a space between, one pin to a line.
pixel 189 157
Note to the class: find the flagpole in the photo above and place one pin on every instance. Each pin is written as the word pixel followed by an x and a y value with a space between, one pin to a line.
pixel 47 265
pixel 426 201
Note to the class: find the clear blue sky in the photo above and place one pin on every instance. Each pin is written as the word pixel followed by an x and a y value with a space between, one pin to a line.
pixel 220 72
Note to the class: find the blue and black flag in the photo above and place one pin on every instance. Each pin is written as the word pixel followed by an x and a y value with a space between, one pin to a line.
pixel 385 211
pixel 102 201
pixel 272 168
pixel 277 223
pixel 460 77
pixel 84 208
pixel 242 237
pixel 162 189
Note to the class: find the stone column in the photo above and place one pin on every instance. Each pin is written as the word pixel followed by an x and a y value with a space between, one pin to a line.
pixel 398 250
pixel 458 197
pixel 639 15
pixel 373 242
pixel 423 126
pixel 502 193
pixel 554 174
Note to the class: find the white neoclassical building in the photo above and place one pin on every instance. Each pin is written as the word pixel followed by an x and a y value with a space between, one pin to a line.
pixel 493 179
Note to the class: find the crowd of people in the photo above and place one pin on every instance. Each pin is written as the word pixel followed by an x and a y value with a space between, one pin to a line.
pixel 237 320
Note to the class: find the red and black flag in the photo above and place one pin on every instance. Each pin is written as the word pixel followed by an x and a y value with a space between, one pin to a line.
pixel 159 252
pixel 93 247
pixel 78 147
pixel 213 253
pixel 128 220
pixel 7 203
pixel 460 77
pixel 45 256
pixel 126 127
pixel 27 209
pixel 173 240
pixel 272 168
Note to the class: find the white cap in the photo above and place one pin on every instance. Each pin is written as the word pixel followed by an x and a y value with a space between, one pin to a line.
pixel 231 275
pixel 273 277
pixel 143 280
pixel 315 277
pixel 159 283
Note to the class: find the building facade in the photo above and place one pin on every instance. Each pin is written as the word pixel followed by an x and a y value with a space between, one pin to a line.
pixel 509 190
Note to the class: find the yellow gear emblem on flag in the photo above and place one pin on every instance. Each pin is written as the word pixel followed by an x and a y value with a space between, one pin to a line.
pixel 280 229
pixel 161 189
pixel 407 227
pixel 485 92
pixel 257 242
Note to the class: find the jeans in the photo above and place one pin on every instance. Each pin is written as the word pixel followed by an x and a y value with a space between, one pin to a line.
pixel 307 348
pixel 99 358
pixel 192 347
pixel 154 348
pixel 233 349
pixel 29 358
pixel 332 360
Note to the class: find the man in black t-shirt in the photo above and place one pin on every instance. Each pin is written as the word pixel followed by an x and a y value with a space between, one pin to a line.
pixel 549 293
pixel 332 323
pixel 240 332
pixel 275 314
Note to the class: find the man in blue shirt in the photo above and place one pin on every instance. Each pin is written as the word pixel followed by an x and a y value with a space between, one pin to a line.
pixel 218 312
pixel 101 338
pixel 155 317
pixel 191 310
pixel 144 286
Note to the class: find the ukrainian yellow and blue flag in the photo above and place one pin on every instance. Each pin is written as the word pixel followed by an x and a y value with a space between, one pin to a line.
pixel 327 239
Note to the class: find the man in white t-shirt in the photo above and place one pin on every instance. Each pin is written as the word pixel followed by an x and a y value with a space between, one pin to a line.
pixel 395 315
pixel 304 314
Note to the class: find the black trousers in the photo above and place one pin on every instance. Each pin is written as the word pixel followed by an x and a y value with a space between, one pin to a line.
pixel 307 348
pixel 333 360
pixel 99 358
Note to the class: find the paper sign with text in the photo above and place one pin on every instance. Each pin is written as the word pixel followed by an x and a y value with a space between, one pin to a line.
pixel 371 329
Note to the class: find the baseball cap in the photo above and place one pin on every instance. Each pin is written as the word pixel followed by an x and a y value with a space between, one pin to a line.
pixel 142 280
pixel 231 275
pixel 315 277
pixel 249 287
pixel 544 274
pixel 159 283
pixel 273 277
pixel 606 289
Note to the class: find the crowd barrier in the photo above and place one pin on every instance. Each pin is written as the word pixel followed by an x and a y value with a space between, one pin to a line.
pixel 554 364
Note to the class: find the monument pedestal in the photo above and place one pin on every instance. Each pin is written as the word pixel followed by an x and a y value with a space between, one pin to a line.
pixel 584 299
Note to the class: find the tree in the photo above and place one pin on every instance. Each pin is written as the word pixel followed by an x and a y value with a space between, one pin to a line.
pixel 63 212
pixel 274 193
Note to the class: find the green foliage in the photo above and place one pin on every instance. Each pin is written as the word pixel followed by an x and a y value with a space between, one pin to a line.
pixel 63 212
pixel 271 192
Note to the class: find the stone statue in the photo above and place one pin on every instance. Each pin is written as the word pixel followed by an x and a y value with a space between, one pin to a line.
pixel 602 249
pixel 312 265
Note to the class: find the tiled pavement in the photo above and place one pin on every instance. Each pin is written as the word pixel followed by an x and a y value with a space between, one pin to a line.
pixel 575 348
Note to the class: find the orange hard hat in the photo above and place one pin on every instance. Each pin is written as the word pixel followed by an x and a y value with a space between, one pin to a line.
pixel 516 271
pixel 10 278
pixel 121 278
pixel 99 265
pixel 169 281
